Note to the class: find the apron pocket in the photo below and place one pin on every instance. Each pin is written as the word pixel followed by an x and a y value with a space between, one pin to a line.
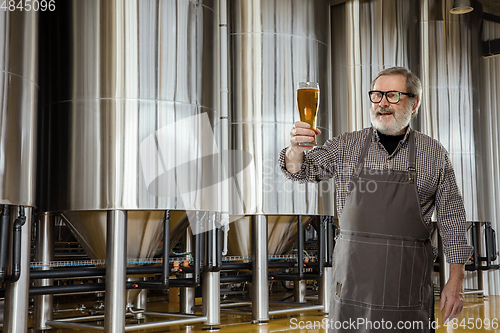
pixel 379 272
pixel 414 268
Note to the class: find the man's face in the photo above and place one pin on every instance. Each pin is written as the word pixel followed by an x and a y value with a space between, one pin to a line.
pixel 387 118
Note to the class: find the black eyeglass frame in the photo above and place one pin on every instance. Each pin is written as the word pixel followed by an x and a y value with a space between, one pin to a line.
pixel 384 93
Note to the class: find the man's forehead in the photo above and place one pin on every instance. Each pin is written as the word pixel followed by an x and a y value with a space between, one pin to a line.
pixel 394 80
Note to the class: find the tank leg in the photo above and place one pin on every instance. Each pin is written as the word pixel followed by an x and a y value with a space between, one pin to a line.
pixel 211 298
pixel 116 266
pixel 260 286
pixel 187 295
pixel 141 302
pixel 299 291
pixel 325 286
pixel 44 253
pixel 17 293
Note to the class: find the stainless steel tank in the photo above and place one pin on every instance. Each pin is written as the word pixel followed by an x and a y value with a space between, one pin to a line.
pixel 128 116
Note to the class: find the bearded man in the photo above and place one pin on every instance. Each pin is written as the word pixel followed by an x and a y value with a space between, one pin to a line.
pixel 389 179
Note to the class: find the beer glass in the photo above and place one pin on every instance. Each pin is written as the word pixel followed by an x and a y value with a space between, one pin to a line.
pixel 308 104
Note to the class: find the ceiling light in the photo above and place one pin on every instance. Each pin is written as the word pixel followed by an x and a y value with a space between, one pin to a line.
pixel 461 7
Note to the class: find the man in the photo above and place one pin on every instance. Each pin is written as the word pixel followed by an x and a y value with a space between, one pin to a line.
pixel 389 180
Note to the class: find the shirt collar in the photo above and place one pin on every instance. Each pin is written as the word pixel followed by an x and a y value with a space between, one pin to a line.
pixel 376 137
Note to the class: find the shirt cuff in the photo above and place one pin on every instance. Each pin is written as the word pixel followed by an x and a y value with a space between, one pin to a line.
pixel 299 176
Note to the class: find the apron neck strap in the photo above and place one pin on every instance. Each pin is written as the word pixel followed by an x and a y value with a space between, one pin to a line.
pixel 364 152
pixel 411 151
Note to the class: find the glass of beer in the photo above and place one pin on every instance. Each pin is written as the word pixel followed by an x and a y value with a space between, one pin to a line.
pixel 308 104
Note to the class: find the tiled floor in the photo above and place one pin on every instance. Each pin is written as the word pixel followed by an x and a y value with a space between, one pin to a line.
pixel 479 315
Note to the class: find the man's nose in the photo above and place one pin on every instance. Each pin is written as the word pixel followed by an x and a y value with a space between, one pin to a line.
pixel 384 102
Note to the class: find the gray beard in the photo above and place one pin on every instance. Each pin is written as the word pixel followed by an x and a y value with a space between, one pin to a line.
pixel 396 127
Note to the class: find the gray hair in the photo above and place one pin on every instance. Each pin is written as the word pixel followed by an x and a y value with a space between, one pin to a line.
pixel 413 85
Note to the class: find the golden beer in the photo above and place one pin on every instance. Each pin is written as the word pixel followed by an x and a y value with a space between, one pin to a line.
pixel 308 104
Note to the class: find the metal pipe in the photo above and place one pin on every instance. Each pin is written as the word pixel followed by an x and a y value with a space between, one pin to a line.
pixel 167 314
pixel 66 289
pixel 60 324
pixel 296 310
pixel 321 246
pixel 224 119
pixel 300 250
pixel 160 324
pixel 211 298
pixel 187 296
pixel 209 250
pixel 260 293
pixel 83 318
pixel 116 263
pixel 218 250
pixel 232 311
pixel 330 240
pixel 299 291
pixel 4 241
pixel 235 278
pixel 211 276
pixel 90 271
pixel 16 293
pixel 227 266
pixel 16 245
pixel 44 253
pixel 325 284
pixel 141 302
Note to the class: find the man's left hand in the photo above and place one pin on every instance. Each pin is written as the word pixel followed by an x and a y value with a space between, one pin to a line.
pixel 452 295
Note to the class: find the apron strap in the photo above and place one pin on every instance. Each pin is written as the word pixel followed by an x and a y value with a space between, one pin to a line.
pixel 412 149
pixel 364 152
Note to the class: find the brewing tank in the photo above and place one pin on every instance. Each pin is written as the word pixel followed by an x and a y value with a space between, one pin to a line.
pixel 129 105
pixel 18 113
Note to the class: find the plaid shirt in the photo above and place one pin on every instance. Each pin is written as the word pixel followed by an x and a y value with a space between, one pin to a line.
pixel 436 184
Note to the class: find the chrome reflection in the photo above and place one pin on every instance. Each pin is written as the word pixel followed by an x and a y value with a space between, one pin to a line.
pixel 18 114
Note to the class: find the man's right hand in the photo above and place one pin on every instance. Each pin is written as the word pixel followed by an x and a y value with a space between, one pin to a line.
pixel 301 132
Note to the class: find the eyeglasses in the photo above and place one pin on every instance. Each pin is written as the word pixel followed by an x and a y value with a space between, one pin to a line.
pixel 392 97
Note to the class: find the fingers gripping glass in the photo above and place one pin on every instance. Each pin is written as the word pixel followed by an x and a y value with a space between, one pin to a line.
pixel 392 97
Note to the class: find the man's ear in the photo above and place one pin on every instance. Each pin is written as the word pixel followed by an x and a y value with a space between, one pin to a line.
pixel 415 104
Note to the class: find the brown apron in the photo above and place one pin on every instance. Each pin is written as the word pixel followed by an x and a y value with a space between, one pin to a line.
pixel 383 257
